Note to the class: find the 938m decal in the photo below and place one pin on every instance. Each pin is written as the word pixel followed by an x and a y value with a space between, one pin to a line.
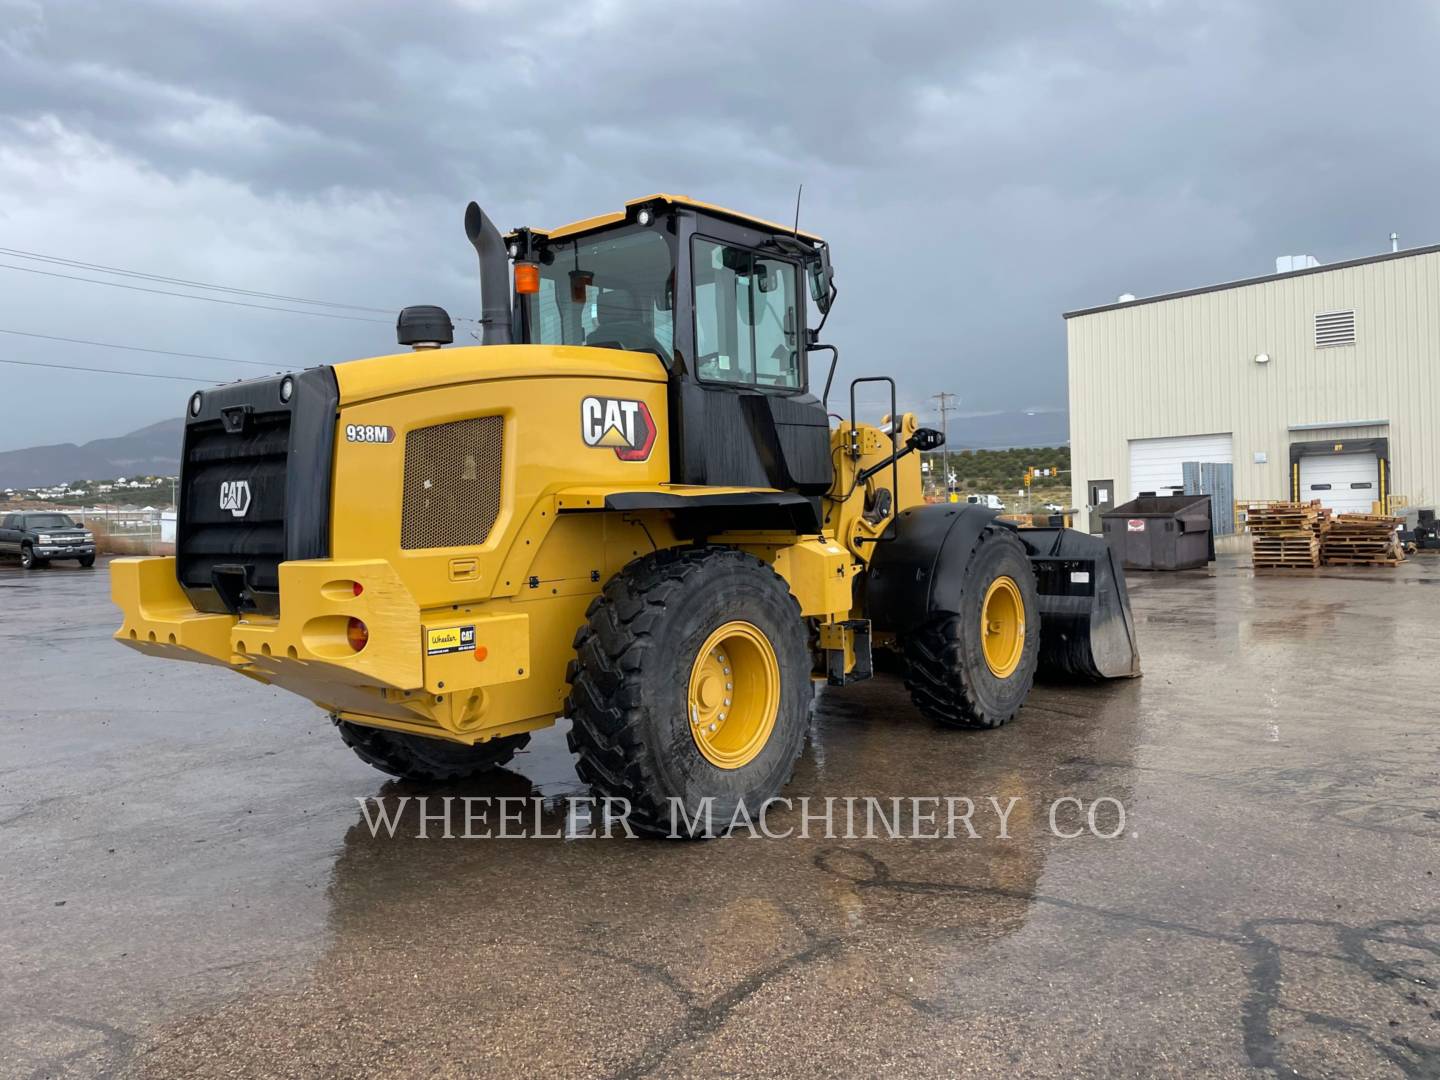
pixel 369 433
pixel 623 425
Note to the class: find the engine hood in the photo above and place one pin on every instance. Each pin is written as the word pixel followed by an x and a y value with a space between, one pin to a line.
pixel 381 376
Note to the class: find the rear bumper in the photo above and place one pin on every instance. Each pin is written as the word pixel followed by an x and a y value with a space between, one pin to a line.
pixel 416 672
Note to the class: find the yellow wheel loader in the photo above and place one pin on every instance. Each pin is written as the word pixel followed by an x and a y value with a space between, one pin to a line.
pixel 626 506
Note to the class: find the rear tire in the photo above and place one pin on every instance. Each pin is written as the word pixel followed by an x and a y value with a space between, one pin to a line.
pixel 430 761
pixel 691 682
pixel 953 675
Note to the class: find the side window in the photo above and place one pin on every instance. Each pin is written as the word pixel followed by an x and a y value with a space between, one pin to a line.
pixel 746 317
pixel 9 522
pixel 777 342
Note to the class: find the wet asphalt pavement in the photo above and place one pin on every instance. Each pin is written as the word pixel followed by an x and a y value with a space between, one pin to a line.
pixel 189 887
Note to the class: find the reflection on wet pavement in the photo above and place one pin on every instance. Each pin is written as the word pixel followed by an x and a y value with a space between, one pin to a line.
pixel 192 889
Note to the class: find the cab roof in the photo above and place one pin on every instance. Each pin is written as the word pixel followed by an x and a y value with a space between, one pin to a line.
pixel 619 216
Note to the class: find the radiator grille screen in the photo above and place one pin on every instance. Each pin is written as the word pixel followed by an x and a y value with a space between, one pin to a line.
pixel 452 483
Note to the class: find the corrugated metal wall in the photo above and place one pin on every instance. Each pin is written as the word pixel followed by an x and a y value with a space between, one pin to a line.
pixel 1186 366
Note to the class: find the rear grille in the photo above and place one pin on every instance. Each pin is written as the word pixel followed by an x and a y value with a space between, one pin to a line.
pixel 215 536
pixel 254 488
pixel 452 483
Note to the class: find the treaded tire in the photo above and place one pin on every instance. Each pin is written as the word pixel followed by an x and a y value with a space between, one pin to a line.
pixel 86 561
pixel 630 686
pixel 946 673
pixel 28 559
pixel 414 757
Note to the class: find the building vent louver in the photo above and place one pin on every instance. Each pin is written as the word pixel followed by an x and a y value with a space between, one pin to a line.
pixel 1334 328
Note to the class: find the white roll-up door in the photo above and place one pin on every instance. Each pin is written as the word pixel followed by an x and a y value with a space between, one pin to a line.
pixel 1158 465
pixel 1347 483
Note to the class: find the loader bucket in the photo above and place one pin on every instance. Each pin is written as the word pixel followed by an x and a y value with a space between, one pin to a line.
pixel 1086 628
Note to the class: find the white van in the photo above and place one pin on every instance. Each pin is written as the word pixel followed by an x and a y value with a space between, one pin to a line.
pixel 991 501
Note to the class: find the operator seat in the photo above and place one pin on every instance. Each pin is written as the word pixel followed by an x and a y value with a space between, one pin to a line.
pixel 618 324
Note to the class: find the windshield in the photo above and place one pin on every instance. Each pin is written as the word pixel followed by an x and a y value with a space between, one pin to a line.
pixel 613 291
pixel 48 521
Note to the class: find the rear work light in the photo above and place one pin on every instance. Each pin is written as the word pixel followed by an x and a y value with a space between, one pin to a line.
pixel 357 634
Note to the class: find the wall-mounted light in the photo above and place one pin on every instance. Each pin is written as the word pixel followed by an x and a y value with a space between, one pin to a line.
pixel 1262 358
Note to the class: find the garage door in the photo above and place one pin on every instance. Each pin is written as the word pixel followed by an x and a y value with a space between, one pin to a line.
pixel 1158 465
pixel 1347 483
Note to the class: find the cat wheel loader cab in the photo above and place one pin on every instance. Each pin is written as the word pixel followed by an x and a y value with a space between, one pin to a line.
pixel 627 506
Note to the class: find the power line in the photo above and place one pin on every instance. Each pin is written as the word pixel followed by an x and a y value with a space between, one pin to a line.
pixel 185 281
pixel 191 296
pixel 191 379
pixel 145 276
pixel 137 348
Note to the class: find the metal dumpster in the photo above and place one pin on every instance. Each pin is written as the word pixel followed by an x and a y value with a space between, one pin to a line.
pixel 1161 532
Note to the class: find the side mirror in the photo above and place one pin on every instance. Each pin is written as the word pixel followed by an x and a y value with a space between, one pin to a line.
pixel 822 277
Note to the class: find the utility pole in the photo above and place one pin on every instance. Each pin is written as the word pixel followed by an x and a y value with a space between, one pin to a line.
pixel 945 407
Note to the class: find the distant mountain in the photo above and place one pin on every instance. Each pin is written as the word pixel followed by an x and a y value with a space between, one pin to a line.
pixel 1003 430
pixel 151 451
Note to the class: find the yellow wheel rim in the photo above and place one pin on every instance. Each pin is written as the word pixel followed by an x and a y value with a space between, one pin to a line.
pixel 1002 627
pixel 734 695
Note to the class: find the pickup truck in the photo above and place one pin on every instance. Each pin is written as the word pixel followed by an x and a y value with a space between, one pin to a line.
pixel 991 501
pixel 39 536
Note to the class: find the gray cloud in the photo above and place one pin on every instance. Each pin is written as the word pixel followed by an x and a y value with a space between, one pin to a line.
pixel 978 168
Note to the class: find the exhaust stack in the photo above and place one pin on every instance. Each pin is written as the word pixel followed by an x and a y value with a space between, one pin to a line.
pixel 494 277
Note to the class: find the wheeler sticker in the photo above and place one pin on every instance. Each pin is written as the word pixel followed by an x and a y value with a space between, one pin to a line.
pixel 620 424
pixel 369 433
pixel 449 640
pixel 235 497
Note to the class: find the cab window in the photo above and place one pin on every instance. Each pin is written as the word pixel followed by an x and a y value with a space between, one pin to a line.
pixel 613 291
pixel 747 317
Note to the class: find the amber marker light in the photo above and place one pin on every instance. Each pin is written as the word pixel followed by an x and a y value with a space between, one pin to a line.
pixel 357 634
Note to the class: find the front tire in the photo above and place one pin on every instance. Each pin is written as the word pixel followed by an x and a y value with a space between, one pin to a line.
pixel 690 689
pixel 87 561
pixel 974 668
pixel 28 560
pixel 429 761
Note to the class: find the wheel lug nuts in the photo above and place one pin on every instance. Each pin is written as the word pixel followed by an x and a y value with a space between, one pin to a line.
pixel 712 726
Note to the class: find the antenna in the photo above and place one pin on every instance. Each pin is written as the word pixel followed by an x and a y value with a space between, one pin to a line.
pixel 798 191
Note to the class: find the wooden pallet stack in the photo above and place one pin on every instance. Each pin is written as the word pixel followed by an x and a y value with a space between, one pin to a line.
pixel 1286 536
pixel 1362 540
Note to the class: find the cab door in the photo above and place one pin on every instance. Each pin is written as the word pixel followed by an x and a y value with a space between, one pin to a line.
pixel 747 416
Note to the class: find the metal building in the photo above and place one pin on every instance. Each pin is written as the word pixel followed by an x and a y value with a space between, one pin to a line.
pixel 1321 383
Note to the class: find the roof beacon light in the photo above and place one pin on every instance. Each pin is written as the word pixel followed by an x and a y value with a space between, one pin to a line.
pixel 527 278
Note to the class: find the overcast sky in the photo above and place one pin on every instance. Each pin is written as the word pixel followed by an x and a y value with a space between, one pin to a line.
pixel 978 168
